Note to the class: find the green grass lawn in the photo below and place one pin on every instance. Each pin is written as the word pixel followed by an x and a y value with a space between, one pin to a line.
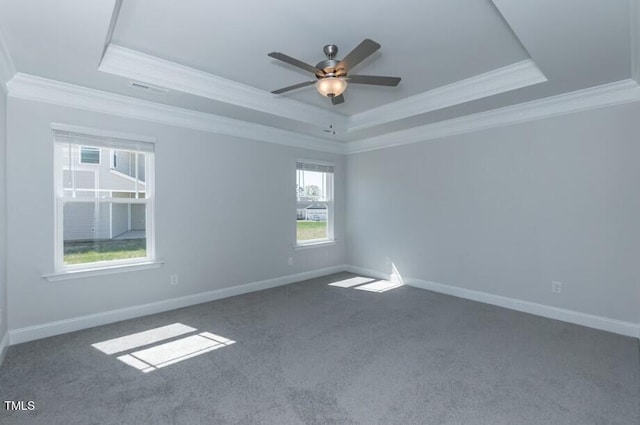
pixel 93 256
pixel 90 252
pixel 308 230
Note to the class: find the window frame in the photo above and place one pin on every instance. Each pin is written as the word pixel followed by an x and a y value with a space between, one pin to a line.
pixel 59 200
pixel 330 238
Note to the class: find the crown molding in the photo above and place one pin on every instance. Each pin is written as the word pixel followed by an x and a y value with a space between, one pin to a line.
pixel 619 92
pixel 501 80
pixel 39 89
pixel 138 66
pixel 7 69
pixel 634 30
pixel 29 87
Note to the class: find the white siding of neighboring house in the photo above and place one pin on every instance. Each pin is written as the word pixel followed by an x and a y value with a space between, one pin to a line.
pixel 87 221
pixel 316 214
pixel 105 176
pixel 125 164
pixel 116 181
pixel 79 218
pixel 120 219
pixel 103 221
pixel 83 179
pixel 138 217
pixel 141 169
pixel 310 209
pixel 79 221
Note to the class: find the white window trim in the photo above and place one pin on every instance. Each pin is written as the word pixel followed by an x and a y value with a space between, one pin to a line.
pixel 316 161
pixel 330 239
pixel 102 267
pixel 101 271
pixel 315 243
pixel 103 133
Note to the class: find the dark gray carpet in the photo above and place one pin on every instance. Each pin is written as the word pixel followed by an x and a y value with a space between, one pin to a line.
pixel 310 353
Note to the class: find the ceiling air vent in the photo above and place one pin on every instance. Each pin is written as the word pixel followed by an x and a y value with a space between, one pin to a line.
pixel 148 87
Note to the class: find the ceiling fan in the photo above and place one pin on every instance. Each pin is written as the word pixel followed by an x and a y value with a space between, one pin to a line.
pixel 332 75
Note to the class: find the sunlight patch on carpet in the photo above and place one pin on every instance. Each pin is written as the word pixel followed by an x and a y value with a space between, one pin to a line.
pixel 159 352
pixel 140 339
pixel 380 286
pixel 173 352
pixel 353 281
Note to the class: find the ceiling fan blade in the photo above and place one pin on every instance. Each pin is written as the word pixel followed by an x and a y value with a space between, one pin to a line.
pixel 376 80
pixel 336 100
pixel 295 62
pixel 293 87
pixel 357 55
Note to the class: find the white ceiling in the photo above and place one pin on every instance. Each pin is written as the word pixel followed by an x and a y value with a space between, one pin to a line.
pixel 426 43
pixel 203 51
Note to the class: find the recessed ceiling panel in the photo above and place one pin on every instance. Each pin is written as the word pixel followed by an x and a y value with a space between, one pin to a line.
pixel 428 44
pixel 61 39
pixel 576 43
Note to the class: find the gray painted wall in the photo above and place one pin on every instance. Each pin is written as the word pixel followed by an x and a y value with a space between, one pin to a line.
pixel 3 216
pixel 508 210
pixel 216 243
pixel 503 211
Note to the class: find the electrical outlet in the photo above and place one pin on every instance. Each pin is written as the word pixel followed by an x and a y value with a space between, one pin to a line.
pixel 290 261
pixel 556 287
pixel 173 279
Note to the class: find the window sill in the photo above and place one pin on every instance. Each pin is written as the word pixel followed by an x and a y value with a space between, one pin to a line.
pixel 77 274
pixel 314 245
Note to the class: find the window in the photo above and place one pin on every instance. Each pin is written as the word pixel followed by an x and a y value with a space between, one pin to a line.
pixel 314 194
pixel 114 158
pixel 104 216
pixel 89 155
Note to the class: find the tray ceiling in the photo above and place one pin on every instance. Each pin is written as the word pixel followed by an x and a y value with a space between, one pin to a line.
pixel 456 58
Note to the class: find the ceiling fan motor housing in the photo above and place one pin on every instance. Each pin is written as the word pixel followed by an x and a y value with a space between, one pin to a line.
pixel 328 66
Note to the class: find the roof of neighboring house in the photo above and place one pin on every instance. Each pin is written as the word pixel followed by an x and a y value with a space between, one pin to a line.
pixel 316 207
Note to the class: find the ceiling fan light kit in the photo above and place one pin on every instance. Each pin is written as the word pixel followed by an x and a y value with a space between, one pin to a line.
pixel 331 86
pixel 332 74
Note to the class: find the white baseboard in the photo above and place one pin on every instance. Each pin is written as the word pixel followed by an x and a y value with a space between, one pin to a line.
pixel 565 315
pixel 4 344
pixel 45 330
pixel 570 316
